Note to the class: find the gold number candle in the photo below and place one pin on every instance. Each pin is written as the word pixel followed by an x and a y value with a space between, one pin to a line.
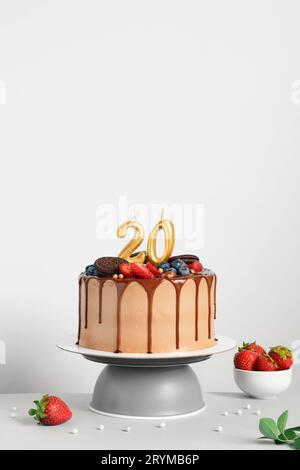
pixel 169 233
pixel 133 244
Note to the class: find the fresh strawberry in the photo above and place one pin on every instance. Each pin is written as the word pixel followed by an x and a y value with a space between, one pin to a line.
pixel 153 269
pixel 126 269
pixel 196 266
pixel 282 356
pixel 265 363
pixel 245 359
pixel 50 411
pixel 140 270
pixel 253 347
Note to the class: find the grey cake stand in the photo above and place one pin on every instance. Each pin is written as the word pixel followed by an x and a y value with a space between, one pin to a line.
pixel 147 386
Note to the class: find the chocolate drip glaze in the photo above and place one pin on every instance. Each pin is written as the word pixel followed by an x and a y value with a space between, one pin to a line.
pixel 215 294
pixel 150 286
pixel 120 291
pixel 209 281
pixel 197 283
pixel 79 310
pixel 86 281
pixel 178 283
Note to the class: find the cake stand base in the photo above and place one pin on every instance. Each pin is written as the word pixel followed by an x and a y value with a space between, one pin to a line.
pixel 147 386
pixel 147 392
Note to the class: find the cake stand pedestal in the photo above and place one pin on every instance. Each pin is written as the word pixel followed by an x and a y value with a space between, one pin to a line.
pixel 147 386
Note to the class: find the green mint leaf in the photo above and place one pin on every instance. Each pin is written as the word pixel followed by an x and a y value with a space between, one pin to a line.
pixel 282 420
pixel 297 444
pixel 31 412
pixel 268 428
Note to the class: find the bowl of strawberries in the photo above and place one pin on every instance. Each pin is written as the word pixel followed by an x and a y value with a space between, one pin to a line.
pixel 262 374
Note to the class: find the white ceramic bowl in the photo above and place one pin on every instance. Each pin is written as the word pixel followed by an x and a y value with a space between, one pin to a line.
pixel 263 384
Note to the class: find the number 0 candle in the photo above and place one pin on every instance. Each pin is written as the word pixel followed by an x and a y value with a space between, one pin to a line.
pixel 169 235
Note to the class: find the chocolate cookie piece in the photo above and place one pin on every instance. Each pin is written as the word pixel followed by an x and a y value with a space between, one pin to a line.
pixel 186 258
pixel 109 265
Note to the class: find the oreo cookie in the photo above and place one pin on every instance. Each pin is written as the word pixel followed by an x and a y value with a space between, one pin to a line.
pixel 188 259
pixel 109 265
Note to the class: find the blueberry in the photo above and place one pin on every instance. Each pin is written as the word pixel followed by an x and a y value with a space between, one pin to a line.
pixel 164 266
pixel 91 270
pixel 171 270
pixel 177 263
pixel 183 271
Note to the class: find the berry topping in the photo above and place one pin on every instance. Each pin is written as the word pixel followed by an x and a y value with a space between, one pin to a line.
pixel 265 363
pixel 50 411
pixel 245 359
pixel 282 356
pixel 153 269
pixel 196 266
pixel 253 347
pixel 164 266
pixel 186 258
pixel 91 270
pixel 141 271
pixel 171 270
pixel 126 269
pixel 178 263
pixel 183 271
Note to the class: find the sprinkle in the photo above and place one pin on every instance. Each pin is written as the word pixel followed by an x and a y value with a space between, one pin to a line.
pixel 258 412
pixel 128 429
pixel 101 427
pixel 225 413
pixel 239 412
pixel 219 429
pixel 75 431
pixel 162 425
pixel 14 408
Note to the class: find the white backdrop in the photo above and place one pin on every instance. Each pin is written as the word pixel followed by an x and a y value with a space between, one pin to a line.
pixel 161 101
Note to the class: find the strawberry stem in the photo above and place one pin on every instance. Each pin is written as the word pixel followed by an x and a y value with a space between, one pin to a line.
pixel 40 412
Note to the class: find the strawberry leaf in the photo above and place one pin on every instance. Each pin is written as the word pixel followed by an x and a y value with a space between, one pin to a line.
pixel 31 412
pixel 282 420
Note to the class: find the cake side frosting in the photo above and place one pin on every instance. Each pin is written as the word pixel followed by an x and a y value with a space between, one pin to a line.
pixel 163 314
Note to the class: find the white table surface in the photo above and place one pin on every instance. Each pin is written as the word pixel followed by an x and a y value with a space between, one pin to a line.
pixel 196 432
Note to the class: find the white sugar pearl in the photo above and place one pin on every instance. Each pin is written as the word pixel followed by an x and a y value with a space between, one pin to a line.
pixel 75 431
pixel 13 415
pixel 225 413
pixel 258 412
pixel 219 428
pixel 162 425
pixel 128 429
pixel 248 406
pixel 14 408
pixel 239 412
pixel 101 427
